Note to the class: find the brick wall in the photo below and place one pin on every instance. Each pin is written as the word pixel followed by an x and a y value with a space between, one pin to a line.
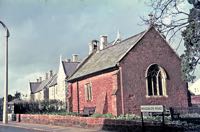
pixel 105 93
pixel 151 49
pixel 97 123
pixel 129 82
pixel 195 100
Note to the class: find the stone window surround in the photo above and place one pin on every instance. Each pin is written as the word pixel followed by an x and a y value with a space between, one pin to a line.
pixel 164 84
pixel 88 91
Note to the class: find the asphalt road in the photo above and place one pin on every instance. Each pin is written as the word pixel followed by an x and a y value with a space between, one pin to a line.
pixel 27 127
pixel 14 129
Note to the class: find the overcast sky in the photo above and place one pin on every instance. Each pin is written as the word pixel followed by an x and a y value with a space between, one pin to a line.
pixel 42 30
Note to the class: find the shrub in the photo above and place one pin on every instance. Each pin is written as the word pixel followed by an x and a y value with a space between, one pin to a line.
pixel 128 117
pixel 97 115
pixel 38 107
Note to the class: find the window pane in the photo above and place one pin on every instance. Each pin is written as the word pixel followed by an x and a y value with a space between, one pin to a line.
pixel 155 85
pixel 149 86
pixel 160 84
pixel 90 92
pixel 86 93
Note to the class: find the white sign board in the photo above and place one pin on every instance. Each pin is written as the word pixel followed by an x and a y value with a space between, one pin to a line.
pixel 152 108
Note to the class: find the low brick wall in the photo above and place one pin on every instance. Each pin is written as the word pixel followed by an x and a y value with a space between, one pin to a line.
pixel 61 120
pixel 195 100
pixel 97 123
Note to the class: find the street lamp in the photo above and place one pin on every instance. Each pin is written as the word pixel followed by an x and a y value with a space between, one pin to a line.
pixel 5 103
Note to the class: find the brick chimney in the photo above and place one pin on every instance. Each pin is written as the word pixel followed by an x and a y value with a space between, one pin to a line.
pixel 75 58
pixel 93 46
pixel 103 41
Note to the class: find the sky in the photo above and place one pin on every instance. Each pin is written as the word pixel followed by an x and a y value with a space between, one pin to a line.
pixel 42 30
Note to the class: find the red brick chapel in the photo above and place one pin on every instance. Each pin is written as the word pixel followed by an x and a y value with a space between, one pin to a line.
pixel 120 76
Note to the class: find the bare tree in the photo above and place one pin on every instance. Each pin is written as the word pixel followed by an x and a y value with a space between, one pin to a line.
pixel 168 16
pixel 172 19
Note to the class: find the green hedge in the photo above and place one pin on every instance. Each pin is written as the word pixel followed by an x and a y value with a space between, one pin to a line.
pixel 39 107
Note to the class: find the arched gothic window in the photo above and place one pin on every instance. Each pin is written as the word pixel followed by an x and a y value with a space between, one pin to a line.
pixel 156 80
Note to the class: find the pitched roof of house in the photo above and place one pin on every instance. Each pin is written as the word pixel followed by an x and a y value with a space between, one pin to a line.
pixel 34 86
pixel 69 67
pixel 106 58
pixel 53 81
pixel 38 86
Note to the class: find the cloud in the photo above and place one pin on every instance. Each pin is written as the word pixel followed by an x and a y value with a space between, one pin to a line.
pixel 22 82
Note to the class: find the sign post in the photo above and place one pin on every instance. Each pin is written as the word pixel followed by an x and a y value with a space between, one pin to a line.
pixel 151 109
pixel 143 128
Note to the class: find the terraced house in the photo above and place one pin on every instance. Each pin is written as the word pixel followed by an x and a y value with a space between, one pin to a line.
pixel 39 89
pixel 54 86
pixel 120 76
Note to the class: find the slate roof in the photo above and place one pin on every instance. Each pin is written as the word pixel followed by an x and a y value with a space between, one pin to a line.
pixel 53 81
pixel 106 58
pixel 69 67
pixel 34 86
pixel 39 86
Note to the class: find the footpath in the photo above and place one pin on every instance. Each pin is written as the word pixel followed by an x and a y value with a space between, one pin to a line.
pixel 47 128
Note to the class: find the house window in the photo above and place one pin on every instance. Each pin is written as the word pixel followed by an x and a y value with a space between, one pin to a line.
pixel 156 80
pixel 88 91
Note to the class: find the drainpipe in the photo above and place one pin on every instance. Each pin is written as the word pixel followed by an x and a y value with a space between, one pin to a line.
pixel 122 90
pixel 78 101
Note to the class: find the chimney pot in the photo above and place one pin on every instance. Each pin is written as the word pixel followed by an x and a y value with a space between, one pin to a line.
pixel 103 41
pixel 75 57
pixel 51 73
pixel 37 80
pixel 93 46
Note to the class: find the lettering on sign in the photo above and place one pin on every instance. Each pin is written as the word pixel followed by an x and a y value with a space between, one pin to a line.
pixel 152 108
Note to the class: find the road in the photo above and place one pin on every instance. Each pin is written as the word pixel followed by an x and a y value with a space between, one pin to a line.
pixel 14 129
pixel 26 127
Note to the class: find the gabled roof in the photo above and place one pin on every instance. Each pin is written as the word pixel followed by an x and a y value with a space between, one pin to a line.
pixel 106 58
pixel 109 57
pixel 53 81
pixel 39 86
pixel 69 67
pixel 34 86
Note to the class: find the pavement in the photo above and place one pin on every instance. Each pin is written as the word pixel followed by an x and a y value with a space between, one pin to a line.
pixel 46 128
